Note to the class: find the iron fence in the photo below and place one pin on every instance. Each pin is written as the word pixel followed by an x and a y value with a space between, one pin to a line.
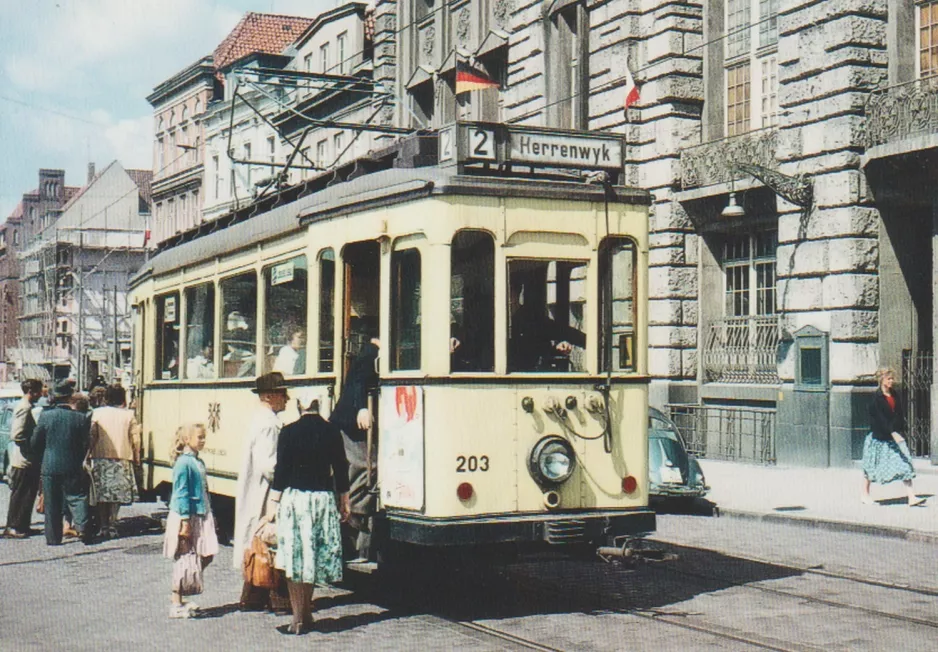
pixel 742 350
pixel 727 433
pixel 916 387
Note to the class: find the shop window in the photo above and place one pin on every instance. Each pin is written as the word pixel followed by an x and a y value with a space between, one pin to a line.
pixel 200 332
pixel 326 311
pixel 405 309
pixel 547 302
pixel 618 281
pixel 287 286
pixel 239 310
pixel 472 302
pixel 167 339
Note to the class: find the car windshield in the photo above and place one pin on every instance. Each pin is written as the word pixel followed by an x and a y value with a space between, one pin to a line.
pixel 661 428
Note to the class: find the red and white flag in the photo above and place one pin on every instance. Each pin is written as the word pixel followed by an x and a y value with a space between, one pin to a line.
pixel 631 88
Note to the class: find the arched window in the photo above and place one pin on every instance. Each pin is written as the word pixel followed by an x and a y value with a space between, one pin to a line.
pixel 159 125
pixel 16 237
pixel 185 113
pixel 198 106
pixel 172 117
pixel 472 301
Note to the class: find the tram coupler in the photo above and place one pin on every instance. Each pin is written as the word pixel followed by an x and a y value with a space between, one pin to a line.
pixel 632 550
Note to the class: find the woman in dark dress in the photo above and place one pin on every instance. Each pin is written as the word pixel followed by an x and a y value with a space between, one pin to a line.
pixel 886 456
pixel 311 469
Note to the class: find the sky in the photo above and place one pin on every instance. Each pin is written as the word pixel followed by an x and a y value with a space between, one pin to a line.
pixel 75 74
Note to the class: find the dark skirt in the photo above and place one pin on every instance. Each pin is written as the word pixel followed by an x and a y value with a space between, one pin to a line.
pixel 886 461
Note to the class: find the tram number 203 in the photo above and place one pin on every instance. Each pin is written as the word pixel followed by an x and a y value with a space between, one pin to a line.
pixel 472 463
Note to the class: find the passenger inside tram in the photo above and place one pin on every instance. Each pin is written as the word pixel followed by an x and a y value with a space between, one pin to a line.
pixel 546 304
pixel 202 364
pixel 239 344
pixel 291 359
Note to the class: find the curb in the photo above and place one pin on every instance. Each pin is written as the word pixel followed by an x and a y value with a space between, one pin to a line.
pixel 906 534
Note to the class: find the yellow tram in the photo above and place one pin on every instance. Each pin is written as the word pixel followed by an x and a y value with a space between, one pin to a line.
pixel 511 308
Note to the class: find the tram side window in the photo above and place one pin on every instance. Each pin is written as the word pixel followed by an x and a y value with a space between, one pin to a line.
pixel 167 340
pixel 405 309
pixel 472 302
pixel 617 289
pixel 239 310
pixel 285 316
pixel 326 310
pixel 547 307
pixel 200 332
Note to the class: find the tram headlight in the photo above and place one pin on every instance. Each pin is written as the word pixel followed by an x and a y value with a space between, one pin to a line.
pixel 552 460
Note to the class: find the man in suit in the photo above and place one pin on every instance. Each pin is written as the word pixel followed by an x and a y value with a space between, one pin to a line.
pixel 61 439
pixel 24 467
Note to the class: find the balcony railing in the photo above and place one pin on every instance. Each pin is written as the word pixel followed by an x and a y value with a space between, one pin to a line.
pixel 742 350
pixel 713 162
pixel 903 111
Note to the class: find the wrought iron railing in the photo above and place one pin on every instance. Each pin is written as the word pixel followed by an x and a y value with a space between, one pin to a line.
pixel 742 350
pixel 902 111
pixel 727 433
pixel 916 388
pixel 713 162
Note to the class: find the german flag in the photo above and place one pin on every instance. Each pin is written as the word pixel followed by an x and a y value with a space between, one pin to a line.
pixel 469 78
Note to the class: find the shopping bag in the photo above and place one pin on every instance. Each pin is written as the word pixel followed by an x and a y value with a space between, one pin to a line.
pixel 187 574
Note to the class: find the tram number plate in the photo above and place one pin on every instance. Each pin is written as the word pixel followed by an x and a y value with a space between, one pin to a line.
pixel 472 463
pixel 482 144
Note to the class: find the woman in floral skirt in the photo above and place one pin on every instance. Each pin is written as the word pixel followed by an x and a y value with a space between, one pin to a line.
pixel 311 468
pixel 190 525
pixel 886 456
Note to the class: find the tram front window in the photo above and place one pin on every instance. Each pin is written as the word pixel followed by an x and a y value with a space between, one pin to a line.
pixel 167 341
pixel 239 311
pixel 547 301
pixel 285 316
pixel 617 260
pixel 472 302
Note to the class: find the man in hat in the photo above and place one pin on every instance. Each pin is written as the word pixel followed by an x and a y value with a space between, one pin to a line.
pixel 259 456
pixel 60 440
pixel 24 466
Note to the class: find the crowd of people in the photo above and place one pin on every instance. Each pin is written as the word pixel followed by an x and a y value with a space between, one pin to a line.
pixel 78 455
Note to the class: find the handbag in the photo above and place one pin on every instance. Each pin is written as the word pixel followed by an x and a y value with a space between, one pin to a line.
pixel 258 564
pixel 187 574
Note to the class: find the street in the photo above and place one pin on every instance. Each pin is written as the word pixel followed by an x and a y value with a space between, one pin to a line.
pixel 735 584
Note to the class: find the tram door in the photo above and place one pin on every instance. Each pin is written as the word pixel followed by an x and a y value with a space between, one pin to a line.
pixel 362 262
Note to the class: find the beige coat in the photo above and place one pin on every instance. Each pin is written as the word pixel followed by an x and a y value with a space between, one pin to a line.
pixel 115 434
pixel 258 458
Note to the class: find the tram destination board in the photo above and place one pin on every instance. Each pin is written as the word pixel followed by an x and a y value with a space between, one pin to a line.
pixel 468 142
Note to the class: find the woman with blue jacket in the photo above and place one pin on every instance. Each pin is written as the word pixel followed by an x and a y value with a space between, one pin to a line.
pixel 190 525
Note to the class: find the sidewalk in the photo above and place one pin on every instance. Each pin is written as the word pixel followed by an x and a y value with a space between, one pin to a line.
pixel 824 498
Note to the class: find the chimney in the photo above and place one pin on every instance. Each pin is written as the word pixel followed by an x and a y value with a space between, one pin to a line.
pixel 90 172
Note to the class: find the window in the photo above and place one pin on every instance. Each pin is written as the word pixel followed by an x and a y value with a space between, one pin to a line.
pixel 167 340
pixel 749 272
pixel 751 65
pixel 337 145
pixel 472 302
pixel 239 310
pixel 568 82
pixel 340 47
pixel 737 21
pixel 200 332
pixel 172 149
pixel 307 67
pixel 769 91
pixel 405 309
pixel 768 25
pixel 247 157
pixel 198 106
pixel 617 291
pixel 737 99
pixel 271 152
pixel 185 113
pixel 305 173
pixel 285 316
pixel 160 154
pixel 928 39
pixel 326 310
pixel 547 301
pixel 217 176
pixel 324 57
pixel 321 153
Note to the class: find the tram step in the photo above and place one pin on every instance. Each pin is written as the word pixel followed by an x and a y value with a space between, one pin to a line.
pixel 364 567
pixel 561 532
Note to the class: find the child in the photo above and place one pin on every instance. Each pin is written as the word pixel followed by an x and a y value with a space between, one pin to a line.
pixel 190 526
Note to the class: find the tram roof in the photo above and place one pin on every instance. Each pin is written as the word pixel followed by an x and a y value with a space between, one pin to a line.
pixel 382 188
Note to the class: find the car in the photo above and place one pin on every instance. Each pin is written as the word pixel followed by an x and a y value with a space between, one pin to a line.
pixel 6 441
pixel 673 472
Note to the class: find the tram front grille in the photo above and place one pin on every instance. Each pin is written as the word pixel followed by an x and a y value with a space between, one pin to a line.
pixel 562 532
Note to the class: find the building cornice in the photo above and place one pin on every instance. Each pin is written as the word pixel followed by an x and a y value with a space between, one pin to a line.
pixel 201 71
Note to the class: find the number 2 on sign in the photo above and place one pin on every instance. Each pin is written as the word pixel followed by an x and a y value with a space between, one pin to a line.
pixel 482 144
pixel 472 463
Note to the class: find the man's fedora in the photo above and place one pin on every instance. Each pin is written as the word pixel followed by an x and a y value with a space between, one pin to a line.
pixel 63 389
pixel 272 382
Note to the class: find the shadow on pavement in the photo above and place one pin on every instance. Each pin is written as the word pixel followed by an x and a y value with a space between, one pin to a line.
pixel 684 506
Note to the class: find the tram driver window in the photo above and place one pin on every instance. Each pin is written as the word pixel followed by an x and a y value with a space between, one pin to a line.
pixel 200 332
pixel 547 302
pixel 167 340
pixel 617 289
pixel 472 302
pixel 239 312
pixel 285 316
pixel 405 309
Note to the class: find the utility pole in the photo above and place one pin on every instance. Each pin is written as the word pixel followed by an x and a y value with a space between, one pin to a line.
pixel 81 313
pixel 117 347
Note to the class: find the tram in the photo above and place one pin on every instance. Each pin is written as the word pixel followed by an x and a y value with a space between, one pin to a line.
pixel 509 296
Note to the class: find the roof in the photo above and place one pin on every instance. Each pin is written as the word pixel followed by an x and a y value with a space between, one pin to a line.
pixel 17 212
pixel 144 181
pixel 332 15
pixel 267 33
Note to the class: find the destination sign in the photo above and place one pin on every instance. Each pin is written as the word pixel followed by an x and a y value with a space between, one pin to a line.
pixel 565 150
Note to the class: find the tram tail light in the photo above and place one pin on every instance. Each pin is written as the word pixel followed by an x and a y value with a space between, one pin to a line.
pixel 629 484
pixel 465 491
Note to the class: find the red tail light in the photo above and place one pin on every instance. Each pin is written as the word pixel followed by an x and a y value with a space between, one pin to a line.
pixel 629 484
pixel 464 491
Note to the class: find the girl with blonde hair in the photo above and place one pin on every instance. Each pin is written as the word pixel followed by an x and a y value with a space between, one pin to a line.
pixel 190 525
pixel 886 456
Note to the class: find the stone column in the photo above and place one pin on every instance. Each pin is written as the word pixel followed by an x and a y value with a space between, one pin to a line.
pixel 934 325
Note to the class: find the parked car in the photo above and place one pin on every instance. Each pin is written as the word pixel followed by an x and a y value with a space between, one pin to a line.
pixel 6 442
pixel 673 472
